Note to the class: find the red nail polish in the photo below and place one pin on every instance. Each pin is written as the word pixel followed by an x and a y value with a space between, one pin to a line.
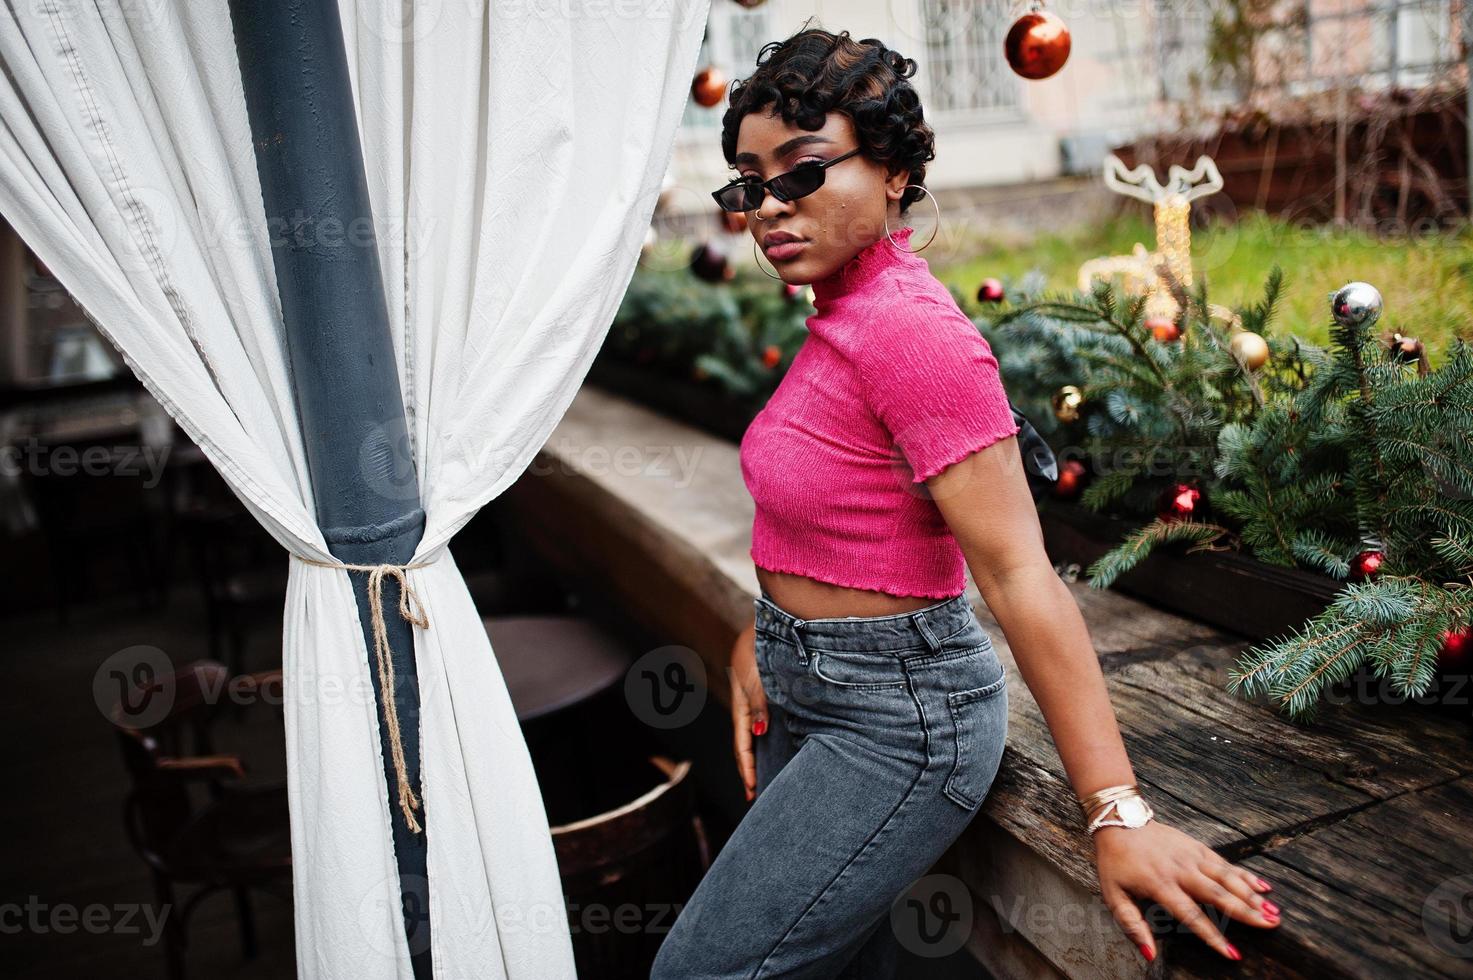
pixel 1233 953
pixel 1270 908
pixel 1147 952
pixel 759 726
pixel 1264 885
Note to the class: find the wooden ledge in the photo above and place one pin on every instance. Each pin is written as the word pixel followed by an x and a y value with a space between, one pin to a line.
pixel 1358 819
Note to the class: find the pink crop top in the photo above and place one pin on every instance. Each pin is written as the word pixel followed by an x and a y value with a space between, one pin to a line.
pixel 892 385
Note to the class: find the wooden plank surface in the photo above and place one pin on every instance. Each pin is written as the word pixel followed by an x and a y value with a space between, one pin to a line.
pixel 1358 818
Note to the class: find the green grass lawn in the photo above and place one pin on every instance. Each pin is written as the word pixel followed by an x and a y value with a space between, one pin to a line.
pixel 1427 281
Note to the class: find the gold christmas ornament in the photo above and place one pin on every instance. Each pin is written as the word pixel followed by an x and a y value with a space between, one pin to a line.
pixel 1407 350
pixel 1066 402
pixel 1249 348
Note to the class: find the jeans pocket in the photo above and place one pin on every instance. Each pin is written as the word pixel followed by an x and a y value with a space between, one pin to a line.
pixel 858 671
pixel 979 721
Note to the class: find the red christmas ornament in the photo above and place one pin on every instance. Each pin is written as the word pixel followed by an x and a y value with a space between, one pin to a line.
pixel 734 222
pixel 771 354
pixel 1179 502
pixel 990 291
pixel 709 86
pixel 1163 329
pixel 709 263
pixel 1366 565
pixel 1037 45
pixel 1071 479
pixel 1456 653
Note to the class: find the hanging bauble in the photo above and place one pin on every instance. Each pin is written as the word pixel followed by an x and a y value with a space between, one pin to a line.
pixel 1179 502
pixel 1356 304
pixel 734 222
pixel 1407 350
pixel 1066 402
pixel 709 263
pixel 1367 564
pixel 1071 479
pixel 990 291
pixel 1037 45
pixel 771 355
pixel 1456 652
pixel 1249 348
pixel 1163 328
pixel 709 86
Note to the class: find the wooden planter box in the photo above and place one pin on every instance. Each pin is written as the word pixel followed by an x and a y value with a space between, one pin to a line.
pixel 1228 590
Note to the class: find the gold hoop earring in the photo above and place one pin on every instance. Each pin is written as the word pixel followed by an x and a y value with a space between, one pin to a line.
pixel 911 251
pixel 758 259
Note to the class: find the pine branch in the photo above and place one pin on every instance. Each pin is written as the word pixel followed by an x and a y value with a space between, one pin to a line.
pixel 1133 550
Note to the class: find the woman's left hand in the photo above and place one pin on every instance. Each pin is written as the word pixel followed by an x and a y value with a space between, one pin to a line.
pixel 1164 865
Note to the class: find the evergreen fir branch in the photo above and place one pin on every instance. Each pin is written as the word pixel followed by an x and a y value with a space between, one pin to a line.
pixel 1258 666
pixel 1322 552
pixel 1456 550
pixel 1108 488
pixel 1258 316
pixel 1385 601
pixel 1299 693
pixel 1123 557
pixel 1455 515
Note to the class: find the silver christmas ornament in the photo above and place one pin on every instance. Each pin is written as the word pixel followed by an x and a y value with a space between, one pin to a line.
pixel 1356 304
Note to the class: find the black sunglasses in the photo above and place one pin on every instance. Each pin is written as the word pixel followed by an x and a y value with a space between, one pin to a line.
pixel 747 193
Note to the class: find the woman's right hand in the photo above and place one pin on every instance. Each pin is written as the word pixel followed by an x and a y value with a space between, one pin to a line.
pixel 748 706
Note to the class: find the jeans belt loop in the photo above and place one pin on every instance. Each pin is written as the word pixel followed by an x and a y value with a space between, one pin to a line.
pixel 920 620
pixel 798 641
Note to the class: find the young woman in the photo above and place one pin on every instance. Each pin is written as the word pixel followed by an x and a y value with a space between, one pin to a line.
pixel 869 707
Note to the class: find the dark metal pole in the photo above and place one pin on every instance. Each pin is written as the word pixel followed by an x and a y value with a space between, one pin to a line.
pixel 294 70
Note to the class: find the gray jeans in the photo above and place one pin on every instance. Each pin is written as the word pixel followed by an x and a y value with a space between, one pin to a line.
pixel 885 734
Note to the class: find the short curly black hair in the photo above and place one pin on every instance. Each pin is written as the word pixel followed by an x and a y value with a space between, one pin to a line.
pixel 815 72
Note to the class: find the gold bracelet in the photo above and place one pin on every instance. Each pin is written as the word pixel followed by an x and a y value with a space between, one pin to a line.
pixel 1100 805
pixel 1130 811
pixel 1105 795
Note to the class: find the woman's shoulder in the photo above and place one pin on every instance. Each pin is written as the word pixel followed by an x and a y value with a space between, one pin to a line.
pixel 921 316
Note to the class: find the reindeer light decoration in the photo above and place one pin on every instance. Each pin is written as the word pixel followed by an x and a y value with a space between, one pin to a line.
pixel 1140 271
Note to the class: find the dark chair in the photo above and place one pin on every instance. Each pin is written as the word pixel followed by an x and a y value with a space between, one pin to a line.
pixel 647 855
pixel 565 676
pixel 237 837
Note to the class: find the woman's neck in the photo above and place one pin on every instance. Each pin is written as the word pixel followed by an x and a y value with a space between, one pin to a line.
pixel 867 265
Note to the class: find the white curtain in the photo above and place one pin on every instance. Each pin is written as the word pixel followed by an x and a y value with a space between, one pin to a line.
pixel 514 155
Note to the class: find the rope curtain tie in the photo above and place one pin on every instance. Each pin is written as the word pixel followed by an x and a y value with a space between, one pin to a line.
pixel 412 610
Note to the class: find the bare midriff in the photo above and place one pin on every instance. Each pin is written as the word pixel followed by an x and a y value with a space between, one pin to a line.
pixel 808 598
